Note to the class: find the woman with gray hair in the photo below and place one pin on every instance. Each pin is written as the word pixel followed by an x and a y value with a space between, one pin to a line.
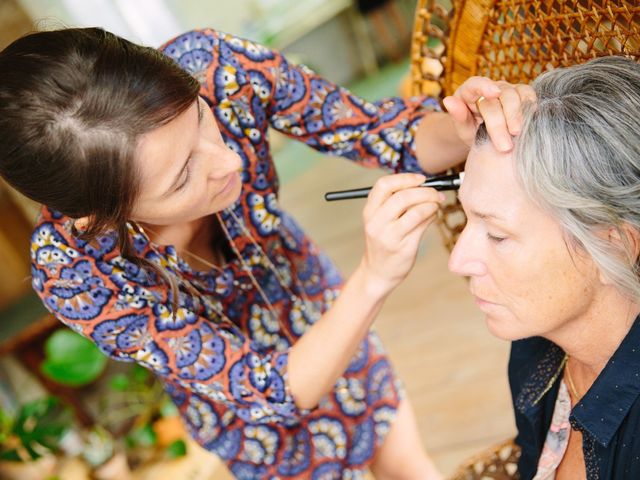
pixel 551 248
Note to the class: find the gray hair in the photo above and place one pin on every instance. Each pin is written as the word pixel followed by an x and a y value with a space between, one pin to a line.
pixel 578 157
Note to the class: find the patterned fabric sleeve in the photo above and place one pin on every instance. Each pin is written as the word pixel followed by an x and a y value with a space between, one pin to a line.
pixel 253 87
pixel 116 305
pixel 332 120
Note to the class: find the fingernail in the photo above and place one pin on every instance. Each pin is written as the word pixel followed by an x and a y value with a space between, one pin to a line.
pixel 442 196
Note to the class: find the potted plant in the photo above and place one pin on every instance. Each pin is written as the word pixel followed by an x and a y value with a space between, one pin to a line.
pixel 138 421
pixel 30 437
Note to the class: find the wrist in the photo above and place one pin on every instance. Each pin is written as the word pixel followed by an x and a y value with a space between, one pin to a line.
pixel 440 145
pixel 371 285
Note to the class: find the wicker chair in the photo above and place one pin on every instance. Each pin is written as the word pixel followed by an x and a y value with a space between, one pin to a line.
pixel 514 40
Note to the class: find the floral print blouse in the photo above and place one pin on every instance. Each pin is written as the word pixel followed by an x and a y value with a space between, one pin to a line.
pixel 557 440
pixel 223 355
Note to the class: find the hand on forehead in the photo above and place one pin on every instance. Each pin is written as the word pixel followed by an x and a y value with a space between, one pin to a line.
pixel 490 188
pixel 496 104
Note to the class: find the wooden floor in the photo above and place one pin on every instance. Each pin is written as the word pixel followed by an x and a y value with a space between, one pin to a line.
pixel 454 371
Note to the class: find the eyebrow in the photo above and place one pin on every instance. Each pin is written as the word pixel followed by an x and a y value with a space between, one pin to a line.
pixel 485 216
pixel 174 184
pixel 478 214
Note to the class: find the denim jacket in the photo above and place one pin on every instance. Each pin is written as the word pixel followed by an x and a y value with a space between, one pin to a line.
pixel 608 415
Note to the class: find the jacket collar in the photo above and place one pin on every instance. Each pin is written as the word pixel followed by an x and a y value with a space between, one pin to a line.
pixel 604 407
pixel 606 404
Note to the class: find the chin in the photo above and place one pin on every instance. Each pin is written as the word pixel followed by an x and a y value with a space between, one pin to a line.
pixel 503 329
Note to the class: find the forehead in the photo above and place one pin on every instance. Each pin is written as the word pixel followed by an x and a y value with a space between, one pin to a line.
pixel 490 185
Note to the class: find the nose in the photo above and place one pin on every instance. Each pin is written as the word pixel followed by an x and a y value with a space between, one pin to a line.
pixel 225 163
pixel 466 259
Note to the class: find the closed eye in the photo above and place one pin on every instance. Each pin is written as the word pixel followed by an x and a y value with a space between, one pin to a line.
pixel 186 177
pixel 188 165
pixel 495 238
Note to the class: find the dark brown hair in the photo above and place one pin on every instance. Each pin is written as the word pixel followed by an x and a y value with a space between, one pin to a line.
pixel 73 105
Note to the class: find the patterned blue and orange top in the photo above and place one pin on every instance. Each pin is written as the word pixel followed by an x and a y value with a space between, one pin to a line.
pixel 223 355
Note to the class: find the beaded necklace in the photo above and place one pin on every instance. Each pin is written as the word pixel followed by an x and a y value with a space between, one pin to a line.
pixel 304 300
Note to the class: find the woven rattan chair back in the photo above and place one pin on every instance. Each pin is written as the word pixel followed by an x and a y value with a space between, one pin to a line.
pixel 513 40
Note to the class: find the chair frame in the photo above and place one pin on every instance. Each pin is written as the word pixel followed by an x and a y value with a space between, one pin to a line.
pixel 512 40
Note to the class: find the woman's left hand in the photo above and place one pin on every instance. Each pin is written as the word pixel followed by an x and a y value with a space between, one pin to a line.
pixel 497 104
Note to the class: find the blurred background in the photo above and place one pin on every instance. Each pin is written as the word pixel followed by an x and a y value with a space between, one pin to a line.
pixel 66 412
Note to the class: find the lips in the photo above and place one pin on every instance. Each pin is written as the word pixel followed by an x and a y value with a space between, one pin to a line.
pixel 228 184
pixel 480 299
pixel 482 303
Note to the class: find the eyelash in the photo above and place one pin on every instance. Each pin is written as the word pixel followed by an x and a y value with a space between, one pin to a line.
pixel 186 179
pixel 495 239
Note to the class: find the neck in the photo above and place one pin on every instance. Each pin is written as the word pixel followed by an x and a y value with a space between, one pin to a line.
pixel 592 339
pixel 194 241
pixel 180 235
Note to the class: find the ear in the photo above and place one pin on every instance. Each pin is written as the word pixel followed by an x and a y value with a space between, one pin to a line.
pixel 81 223
pixel 631 242
pixel 626 239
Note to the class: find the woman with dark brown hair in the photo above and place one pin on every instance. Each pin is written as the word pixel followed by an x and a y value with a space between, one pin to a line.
pixel 162 241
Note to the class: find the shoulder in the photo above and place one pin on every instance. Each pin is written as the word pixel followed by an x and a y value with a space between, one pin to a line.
pixel 192 45
pixel 196 50
pixel 59 258
pixel 52 245
pixel 631 426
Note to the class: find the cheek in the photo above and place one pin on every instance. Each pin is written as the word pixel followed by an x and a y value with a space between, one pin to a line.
pixel 556 288
pixel 525 279
pixel 199 187
pixel 576 282
pixel 542 281
pixel 190 202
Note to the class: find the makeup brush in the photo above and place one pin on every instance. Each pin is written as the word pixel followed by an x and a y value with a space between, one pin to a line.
pixel 444 182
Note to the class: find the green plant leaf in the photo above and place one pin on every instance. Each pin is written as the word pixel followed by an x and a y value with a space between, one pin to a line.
pixel 177 449
pixel 10 455
pixel 140 374
pixel 143 436
pixel 6 425
pixel 119 382
pixel 40 425
pixel 72 359
pixel 168 408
